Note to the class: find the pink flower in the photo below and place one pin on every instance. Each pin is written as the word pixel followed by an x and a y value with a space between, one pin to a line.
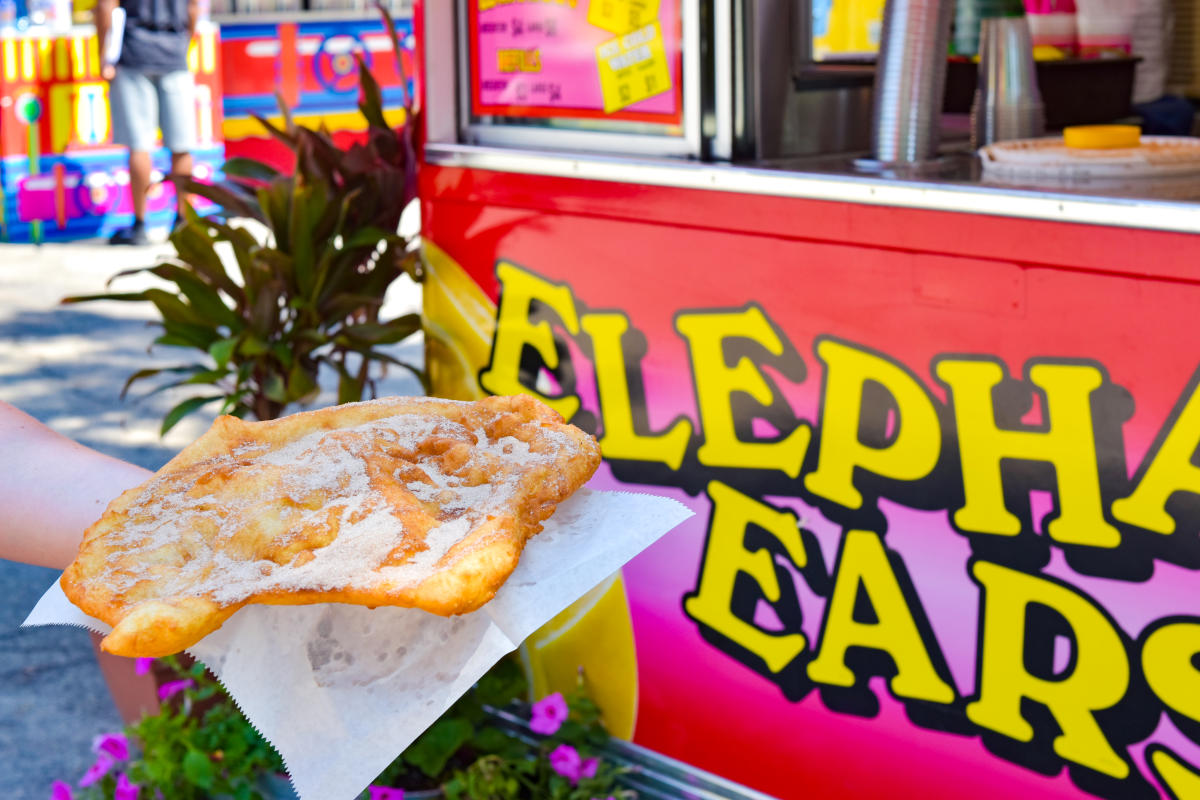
pixel 61 790
pixel 588 768
pixel 114 745
pixel 125 790
pixel 169 690
pixel 96 771
pixel 564 760
pixel 385 793
pixel 143 666
pixel 549 714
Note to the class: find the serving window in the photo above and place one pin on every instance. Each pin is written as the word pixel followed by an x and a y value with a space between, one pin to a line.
pixel 576 74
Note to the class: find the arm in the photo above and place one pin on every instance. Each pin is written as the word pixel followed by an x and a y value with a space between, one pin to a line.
pixel 51 489
pixel 102 17
pixel 193 8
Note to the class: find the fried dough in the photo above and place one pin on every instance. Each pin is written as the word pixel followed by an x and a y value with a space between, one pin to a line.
pixel 413 502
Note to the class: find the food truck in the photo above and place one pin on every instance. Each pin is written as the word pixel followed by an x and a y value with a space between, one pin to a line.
pixel 61 176
pixel 938 423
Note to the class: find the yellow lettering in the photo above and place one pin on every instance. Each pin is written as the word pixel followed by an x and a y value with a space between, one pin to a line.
pixel 909 457
pixel 515 331
pixel 485 5
pixel 726 557
pixel 620 440
pixel 1171 471
pixel 864 563
pixel 716 381
pixel 1181 778
pixel 1068 444
pixel 1167 664
pixel 509 60
pixel 1098 680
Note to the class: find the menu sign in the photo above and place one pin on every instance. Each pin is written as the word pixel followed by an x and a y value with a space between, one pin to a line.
pixel 577 59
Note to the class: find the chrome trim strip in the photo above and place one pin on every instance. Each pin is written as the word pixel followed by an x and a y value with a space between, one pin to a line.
pixel 722 48
pixel 692 111
pixel 1119 212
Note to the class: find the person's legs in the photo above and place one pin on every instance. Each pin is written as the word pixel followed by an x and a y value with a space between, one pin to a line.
pixel 139 183
pixel 134 104
pixel 177 104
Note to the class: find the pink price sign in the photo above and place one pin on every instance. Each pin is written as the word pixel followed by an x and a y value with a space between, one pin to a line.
pixel 578 59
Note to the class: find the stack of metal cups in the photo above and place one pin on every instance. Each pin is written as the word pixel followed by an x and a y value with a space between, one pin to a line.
pixel 910 81
pixel 1008 104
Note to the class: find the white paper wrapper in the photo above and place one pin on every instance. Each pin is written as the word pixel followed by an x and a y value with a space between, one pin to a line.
pixel 340 690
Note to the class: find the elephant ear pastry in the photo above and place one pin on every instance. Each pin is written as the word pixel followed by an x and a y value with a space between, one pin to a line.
pixel 414 502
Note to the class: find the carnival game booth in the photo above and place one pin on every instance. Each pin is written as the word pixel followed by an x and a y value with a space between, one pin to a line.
pixel 938 421
pixel 61 177
pixel 303 54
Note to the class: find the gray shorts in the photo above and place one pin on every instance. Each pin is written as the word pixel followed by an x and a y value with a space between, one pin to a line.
pixel 145 102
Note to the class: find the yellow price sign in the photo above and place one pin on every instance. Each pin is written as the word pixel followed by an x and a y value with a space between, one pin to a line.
pixel 622 16
pixel 633 67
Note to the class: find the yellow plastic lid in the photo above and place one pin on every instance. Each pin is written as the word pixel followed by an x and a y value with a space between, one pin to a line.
pixel 1102 137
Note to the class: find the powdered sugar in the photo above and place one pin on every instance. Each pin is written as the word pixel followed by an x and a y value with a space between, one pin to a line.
pixel 384 500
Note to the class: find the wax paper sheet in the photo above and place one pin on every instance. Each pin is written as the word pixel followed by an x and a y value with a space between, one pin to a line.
pixel 340 690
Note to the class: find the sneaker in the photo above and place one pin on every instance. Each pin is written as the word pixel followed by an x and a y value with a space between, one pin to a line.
pixel 133 235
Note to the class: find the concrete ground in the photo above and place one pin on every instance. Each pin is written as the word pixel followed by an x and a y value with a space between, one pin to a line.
pixel 65 365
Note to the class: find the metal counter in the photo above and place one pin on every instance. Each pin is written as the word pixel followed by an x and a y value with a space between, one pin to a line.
pixel 960 189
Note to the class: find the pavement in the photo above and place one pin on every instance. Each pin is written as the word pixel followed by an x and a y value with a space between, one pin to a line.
pixel 66 365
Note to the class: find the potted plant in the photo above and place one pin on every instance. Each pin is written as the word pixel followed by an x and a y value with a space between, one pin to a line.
pixel 315 249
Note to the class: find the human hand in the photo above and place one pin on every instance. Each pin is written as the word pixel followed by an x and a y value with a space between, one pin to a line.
pixel 108 72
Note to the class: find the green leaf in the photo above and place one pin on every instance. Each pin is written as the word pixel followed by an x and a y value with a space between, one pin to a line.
pixel 173 309
pixel 377 333
pixel 200 295
pixel 253 169
pixel 502 684
pixel 437 745
pixel 198 769
pixel 229 197
pixel 282 135
pixel 211 376
pixel 141 374
pixel 350 389
pixel 275 200
pixel 494 740
pixel 275 389
pixel 370 98
pixel 455 788
pixel 253 346
pixel 300 385
pixel 222 351
pixel 390 25
pixel 183 409
pixel 283 354
pixel 300 231
pixel 343 305
pixel 126 297
pixel 264 316
pixel 371 236
pixel 198 336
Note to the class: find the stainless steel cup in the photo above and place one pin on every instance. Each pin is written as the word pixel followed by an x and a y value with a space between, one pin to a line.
pixel 1008 104
pixel 910 81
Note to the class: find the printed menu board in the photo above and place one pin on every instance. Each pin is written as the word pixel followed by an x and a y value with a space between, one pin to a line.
pixel 577 59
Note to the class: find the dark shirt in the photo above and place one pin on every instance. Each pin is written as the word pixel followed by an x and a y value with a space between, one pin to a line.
pixel 156 35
